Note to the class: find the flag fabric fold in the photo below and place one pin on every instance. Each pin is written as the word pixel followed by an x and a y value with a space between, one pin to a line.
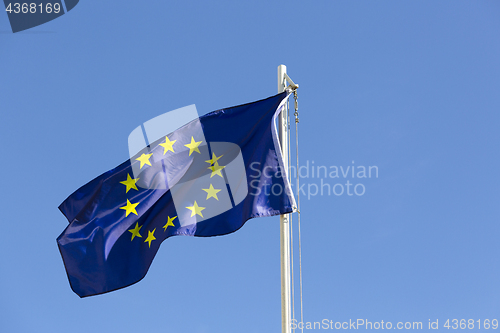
pixel 205 179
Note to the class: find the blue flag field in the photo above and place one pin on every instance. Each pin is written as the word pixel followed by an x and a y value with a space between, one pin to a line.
pixel 207 178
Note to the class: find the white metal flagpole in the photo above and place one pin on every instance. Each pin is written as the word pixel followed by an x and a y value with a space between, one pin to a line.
pixel 284 218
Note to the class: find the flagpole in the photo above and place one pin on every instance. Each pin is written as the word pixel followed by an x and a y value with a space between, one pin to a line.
pixel 284 218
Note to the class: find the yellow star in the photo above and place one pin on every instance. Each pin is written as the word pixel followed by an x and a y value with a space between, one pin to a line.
pixel 211 192
pixel 151 237
pixel 193 146
pixel 129 208
pixel 169 223
pixel 195 209
pixel 144 159
pixel 216 168
pixel 214 159
pixel 130 183
pixel 135 231
pixel 167 145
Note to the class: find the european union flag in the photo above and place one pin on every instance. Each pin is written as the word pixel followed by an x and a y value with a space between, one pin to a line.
pixel 205 179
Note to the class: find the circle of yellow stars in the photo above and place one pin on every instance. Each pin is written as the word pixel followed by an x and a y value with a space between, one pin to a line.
pixel 130 184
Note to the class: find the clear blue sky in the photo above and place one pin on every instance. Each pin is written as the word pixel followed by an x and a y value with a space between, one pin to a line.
pixel 411 87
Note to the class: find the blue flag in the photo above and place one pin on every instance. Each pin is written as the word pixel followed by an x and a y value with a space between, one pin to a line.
pixel 206 178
